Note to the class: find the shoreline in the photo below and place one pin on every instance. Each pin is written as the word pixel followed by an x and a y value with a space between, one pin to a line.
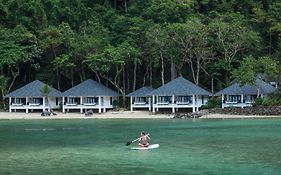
pixel 75 115
pixel 120 115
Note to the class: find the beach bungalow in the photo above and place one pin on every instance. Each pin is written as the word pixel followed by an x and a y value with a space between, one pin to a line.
pixel 141 98
pixel 244 96
pixel 179 94
pixel 88 95
pixel 30 98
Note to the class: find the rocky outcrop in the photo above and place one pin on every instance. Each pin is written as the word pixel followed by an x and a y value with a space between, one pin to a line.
pixel 190 115
pixel 257 110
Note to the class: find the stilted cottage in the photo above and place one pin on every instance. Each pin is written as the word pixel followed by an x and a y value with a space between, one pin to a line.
pixel 179 94
pixel 141 98
pixel 30 97
pixel 89 95
pixel 244 96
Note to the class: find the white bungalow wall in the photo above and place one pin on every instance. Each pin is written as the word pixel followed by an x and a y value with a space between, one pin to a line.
pixel 196 101
pixel 55 104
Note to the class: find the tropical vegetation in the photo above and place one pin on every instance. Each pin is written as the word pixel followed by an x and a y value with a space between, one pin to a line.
pixel 126 44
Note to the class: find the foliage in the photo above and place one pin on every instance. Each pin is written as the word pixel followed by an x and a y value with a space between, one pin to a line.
pixel 128 44
pixel 271 100
pixel 250 67
pixel 212 103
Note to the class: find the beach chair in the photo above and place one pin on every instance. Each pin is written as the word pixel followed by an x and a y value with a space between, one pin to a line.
pixel 89 113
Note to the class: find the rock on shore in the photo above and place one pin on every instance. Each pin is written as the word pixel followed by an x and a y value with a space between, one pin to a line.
pixel 257 110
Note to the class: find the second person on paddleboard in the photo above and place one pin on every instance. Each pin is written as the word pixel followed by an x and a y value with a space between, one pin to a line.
pixel 144 140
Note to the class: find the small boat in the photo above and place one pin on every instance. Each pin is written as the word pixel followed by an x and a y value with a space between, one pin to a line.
pixel 153 146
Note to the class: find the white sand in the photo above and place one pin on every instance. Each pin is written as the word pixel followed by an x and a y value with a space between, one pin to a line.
pixel 75 115
pixel 229 116
pixel 118 115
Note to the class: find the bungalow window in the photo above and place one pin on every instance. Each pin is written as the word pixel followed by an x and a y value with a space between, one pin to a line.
pixel 20 100
pixel 250 98
pixel 164 99
pixel 90 100
pixel 73 100
pixel 234 98
pixel 36 101
pixel 111 101
pixel 184 99
pixel 140 99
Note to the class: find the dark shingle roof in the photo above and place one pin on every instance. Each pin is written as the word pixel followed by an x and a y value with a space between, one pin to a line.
pixel 234 89
pixel 180 86
pixel 142 92
pixel 33 89
pixel 248 89
pixel 90 88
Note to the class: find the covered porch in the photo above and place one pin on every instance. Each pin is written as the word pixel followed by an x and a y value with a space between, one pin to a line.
pixel 29 104
pixel 176 102
pixel 84 104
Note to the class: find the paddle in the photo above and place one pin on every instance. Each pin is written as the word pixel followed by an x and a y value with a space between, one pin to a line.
pixel 129 142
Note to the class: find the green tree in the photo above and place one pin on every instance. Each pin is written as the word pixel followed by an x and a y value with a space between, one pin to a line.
pixel 250 67
pixel 192 39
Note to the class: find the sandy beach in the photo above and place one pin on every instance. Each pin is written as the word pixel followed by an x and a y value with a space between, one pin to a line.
pixel 230 116
pixel 119 115
pixel 73 115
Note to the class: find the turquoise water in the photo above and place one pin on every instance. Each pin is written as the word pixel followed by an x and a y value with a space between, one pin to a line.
pixel 98 147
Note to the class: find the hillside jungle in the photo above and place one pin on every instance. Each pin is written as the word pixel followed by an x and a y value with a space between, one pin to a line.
pixel 128 44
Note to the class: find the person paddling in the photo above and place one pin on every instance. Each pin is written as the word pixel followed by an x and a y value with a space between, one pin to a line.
pixel 144 140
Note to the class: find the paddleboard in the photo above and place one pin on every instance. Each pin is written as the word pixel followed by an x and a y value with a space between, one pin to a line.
pixel 153 146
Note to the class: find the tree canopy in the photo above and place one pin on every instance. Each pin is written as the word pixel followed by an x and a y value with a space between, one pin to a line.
pixel 129 44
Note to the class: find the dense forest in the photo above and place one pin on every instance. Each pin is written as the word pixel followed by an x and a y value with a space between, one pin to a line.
pixel 128 44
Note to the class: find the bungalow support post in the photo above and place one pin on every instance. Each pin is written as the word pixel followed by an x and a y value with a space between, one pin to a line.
pixel 10 104
pixel 149 103
pixel 242 99
pixel 63 109
pixel 131 102
pixel 173 105
pixel 99 104
pixel 193 103
pixel 222 99
pixel 26 104
pixel 81 103
pixel 44 103
pixel 153 104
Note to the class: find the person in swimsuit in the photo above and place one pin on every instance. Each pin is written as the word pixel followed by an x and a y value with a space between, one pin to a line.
pixel 144 140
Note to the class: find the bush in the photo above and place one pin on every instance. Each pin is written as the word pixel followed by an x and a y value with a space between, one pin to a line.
pixel 258 101
pixel 272 100
pixel 214 102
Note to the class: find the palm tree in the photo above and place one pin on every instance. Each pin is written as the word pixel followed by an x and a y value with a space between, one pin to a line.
pixel 46 91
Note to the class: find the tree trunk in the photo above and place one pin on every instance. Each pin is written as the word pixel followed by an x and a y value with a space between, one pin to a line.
pixel 135 75
pixel 197 71
pixel 212 84
pixel 126 8
pixel 124 87
pixel 145 75
pixel 58 81
pixel 151 72
pixel 15 75
pixel 162 68
pixel 173 71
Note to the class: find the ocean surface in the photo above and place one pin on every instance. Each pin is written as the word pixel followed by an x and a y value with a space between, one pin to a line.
pixel 97 146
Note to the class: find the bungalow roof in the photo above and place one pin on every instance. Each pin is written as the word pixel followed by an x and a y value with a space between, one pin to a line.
pixel 90 88
pixel 33 89
pixel 248 89
pixel 142 92
pixel 180 86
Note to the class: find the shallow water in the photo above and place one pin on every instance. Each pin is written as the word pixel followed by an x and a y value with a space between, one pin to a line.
pixel 98 147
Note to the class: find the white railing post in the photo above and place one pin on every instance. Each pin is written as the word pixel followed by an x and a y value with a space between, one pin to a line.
pixel 131 102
